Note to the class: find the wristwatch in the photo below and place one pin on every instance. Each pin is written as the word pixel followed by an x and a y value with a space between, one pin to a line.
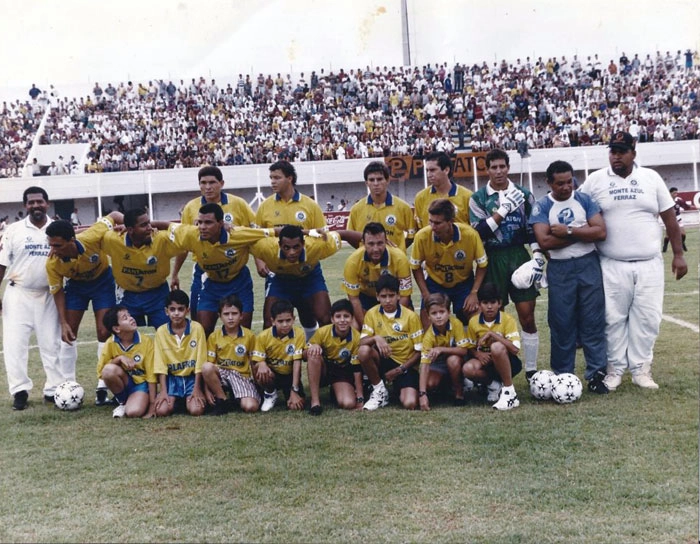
pixel 569 230
pixel 295 388
pixel 422 393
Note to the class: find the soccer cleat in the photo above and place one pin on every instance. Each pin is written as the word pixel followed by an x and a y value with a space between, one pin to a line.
pixel 49 398
pixel 612 381
pixel 378 398
pixel 20 400
pixel 529 374
pixel 507 400
pixel 119 411
pixel 597 384
pixel 494 391
pixel 269 401
pixel 101 397
pixel 315 410
pixel 644 381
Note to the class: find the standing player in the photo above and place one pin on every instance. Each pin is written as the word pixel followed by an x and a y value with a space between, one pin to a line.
pixel 446 252
pixel 27 303
pixel 81 262
pixel 567 223
pixel 632 199
pixel 370 262
pixel 236 212
pixel 438 168
pixel 678 204
pixel 381 206
pixel 499 212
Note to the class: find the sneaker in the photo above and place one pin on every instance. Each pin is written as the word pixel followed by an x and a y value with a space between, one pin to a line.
pixel 507 400
pixel 468 385
pixel 101 397
pixel 529 374
pixel 119 411
pixel 612 381
pixel 315 410
pixel 494 391
pixel 20 400
pixel 269 401
pixel 644 381
pixel 378 398
pixel 597 384
pixel 49 399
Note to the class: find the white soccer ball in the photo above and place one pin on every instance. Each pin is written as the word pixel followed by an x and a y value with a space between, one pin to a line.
pixel 566 388
pixel 541 384
pixel 69 396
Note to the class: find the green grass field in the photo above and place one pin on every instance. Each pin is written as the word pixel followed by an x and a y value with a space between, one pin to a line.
pixel 622 468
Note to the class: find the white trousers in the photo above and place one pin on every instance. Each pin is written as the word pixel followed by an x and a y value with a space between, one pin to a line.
pixel 634 296
pixel 26 311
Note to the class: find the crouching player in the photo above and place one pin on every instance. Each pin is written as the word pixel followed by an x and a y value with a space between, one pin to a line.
pixel 390 346
pixel 228 361
pixel 126 365
pixel 493 341
pixel 332 354
pixel 444 350
pixel 180 352
pixel 277 357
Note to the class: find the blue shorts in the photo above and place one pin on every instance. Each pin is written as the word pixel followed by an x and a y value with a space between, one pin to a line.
pixel 212 292
pixel 149 304
pixel 180 386
pixel 516 366
pixel 408 379
pixel 368 301
pixel 297 289
pixel 457 294
pixel 101 291
pixel 132 387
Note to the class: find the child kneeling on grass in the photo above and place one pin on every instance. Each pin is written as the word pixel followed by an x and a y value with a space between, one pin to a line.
pixel 228 361
pixel 493 341
pixel 277 357
pixel 390 346
pixel 180 352
pixel 444 350
pixel 126 365
pixel 332 355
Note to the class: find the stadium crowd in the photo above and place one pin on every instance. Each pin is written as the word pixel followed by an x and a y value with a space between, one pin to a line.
pixel 364 113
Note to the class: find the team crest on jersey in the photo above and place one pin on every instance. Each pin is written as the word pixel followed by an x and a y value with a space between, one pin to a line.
pixel 193 343
pixel 230 253
pixel 127 257
pixel 390 220
pixel 290 349
pixel 612 184
pixel 94 258
pixel 565 216
pixel 536 209
pixel 228 217
pixel 152 260
pixel 137 358
pixel 344 354
pixel 396 327
pixel 460 255
pixel 240 350
pixel 300 216
pixel 634 182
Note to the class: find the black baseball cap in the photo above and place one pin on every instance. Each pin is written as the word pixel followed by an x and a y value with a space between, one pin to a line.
pixel 622 140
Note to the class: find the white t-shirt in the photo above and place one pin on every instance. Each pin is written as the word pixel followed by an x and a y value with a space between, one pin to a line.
pixel 24 251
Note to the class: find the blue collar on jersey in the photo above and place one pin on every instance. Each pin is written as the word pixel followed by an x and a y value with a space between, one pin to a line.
pixel 346 338
pixel 223 237
pixel 451 192
pixel 223 200
pixel 240 331
pixel 384 261
pixel 129 243
pixel 295 198
pixel 187 327
pixel 81 250
pixel 438 333
pixel 398 310
pixel 137 340
pixel 274 333
pixel 482 321
pixel 455 234
pixel 388 202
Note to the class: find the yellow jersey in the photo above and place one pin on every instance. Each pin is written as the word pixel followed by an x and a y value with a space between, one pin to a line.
pixel 279 352
pixel 504 325
pixel 299 210
pixel 454 337
pixel 458 195
pixel 141 351
pixel 403 332
pixel 315 249
pixel 231 352
pixel 360 275
pixel 394 214
pixel 236 211
pixel 337 350
pixel 180 356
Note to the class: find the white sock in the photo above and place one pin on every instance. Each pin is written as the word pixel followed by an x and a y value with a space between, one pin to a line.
pixel 100 347
pixel 531 346
pixel 309 331
pixel 379 386
pixel 509 388
pixel 101 384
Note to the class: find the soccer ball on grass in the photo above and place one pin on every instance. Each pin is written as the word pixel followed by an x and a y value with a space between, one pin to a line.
pixel 566 388
pixel 69 396
pixel 541 384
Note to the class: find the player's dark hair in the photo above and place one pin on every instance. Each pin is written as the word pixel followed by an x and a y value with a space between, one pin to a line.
pixel 131 216
pixel 373 228
pixel 672 189
pixel 488 292
pixel 33 190
pixel 178 296
pixel 437 299
pixel 376 166
pixel 442 207
pixel 388 282
pixel 210 171
pixel 231 300
pixel 342 305
pixel 497 154
pixel 292 232
pixel 286 168
pixel 281 306
pixel 441 158
pixel 211 207
pixel 61 228
pixel 111 318
pixel 558 167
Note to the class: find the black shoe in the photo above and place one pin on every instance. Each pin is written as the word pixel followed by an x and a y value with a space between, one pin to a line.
pixel 49 398
pixel 529 374
pixel 315 410
pixel 20 402
pixel 220 407
pixel 597 385
pixel 101 397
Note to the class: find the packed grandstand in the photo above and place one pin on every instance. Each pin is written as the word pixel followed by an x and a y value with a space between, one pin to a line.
pixel 361 113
